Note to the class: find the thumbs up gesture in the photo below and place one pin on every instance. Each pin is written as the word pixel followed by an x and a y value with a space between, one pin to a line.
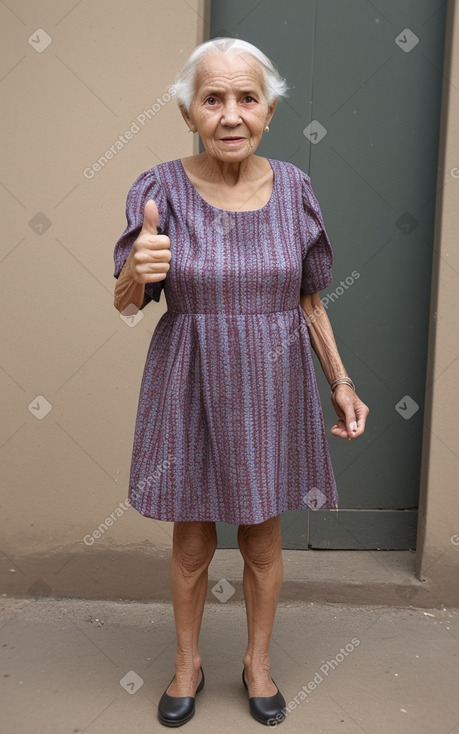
pixel 150 254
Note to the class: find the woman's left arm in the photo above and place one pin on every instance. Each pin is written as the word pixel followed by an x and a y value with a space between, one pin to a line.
pixel 351 411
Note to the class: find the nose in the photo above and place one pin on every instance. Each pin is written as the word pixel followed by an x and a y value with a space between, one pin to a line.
pixel 231 114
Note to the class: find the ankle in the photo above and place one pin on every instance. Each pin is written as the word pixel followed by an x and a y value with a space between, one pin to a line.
pixel 256 661
pixel 187 661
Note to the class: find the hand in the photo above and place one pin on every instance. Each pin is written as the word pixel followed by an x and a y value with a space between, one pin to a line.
pixel 352 413
pixel 150 255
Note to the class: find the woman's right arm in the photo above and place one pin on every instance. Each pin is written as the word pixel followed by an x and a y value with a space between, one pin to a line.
pixel 128 290
pixel 147 262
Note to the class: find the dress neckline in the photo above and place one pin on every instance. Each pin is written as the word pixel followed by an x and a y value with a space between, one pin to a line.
pixel 232 211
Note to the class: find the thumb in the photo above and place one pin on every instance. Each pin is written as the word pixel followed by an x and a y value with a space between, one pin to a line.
pixel 150 217
pixel 351 423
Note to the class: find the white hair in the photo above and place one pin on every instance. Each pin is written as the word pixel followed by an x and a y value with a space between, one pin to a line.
pixel 275 85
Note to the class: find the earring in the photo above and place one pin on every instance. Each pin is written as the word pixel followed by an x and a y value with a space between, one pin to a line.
pixel 267 129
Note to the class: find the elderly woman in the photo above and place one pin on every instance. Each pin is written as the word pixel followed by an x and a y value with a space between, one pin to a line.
pixel 229 424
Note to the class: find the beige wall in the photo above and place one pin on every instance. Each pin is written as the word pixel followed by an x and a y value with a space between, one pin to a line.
pixel 438 534
pixel 63 107
pixel 62 475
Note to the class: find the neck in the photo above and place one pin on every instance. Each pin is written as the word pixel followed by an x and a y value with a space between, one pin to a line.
pixel 229 172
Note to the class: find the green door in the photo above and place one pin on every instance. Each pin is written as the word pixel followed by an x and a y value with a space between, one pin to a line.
pixel 362 120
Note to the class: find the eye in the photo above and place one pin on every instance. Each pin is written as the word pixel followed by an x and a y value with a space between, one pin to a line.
pixel 211 101
pixel 249 98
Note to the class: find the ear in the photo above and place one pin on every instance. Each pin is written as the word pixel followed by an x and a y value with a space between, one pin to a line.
pixel 271 109
pixel 188 119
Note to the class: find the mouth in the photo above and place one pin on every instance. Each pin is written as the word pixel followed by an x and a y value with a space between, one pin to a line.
pixel 232 139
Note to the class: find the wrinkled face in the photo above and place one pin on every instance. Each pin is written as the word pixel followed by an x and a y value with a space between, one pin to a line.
pixel 229 109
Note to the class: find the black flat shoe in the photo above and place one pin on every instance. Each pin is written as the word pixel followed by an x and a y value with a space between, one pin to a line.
pixel 267 710
pixel 177 710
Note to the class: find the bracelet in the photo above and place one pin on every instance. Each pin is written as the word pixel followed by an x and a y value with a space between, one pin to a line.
pixel 342 381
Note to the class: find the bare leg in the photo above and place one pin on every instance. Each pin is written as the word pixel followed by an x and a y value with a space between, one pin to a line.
pixel 193 547
pixel 261 548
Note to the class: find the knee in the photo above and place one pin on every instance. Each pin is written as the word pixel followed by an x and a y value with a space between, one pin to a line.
pixel 194 545
pixel 261 545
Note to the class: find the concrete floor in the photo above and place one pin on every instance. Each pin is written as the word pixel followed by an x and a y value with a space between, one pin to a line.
pixel 71 665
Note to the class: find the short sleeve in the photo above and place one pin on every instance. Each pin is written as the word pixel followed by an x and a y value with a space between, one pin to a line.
pixel 146 186
pixel 317 254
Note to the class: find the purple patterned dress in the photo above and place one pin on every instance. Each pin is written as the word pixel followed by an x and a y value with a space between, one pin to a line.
pixel 229 424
